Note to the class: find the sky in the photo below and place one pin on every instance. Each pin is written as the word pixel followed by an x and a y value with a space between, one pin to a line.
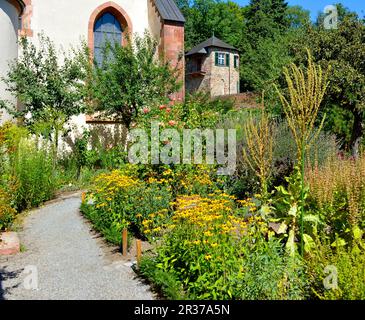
pixel 315 6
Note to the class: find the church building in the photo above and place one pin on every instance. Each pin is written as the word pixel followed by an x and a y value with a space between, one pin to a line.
pixel 68 22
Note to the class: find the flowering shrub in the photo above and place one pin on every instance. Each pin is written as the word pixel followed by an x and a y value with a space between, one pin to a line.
pixel 338 191
pixel 187 179
pixel 119 201
pixel 197 111
pixel 209 251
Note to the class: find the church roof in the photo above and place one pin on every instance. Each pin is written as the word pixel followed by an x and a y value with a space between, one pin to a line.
pixel 169 11
pixel 212 42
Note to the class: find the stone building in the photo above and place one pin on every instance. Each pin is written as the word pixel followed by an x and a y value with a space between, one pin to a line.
pixel 68 22
pixel 212 66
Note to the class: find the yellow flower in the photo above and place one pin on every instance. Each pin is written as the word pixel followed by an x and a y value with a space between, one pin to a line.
pixel 208 257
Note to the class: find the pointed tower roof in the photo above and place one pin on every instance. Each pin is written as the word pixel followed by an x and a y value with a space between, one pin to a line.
pixel 212 42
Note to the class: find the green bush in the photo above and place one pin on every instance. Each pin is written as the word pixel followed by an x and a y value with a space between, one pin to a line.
pixel 244 182
pixel 120 201
pixel 162 281
pixel 349 265
pixel 34 172
pixel 27 170
pixel 211 252
pixel 262 272
pixel 7 213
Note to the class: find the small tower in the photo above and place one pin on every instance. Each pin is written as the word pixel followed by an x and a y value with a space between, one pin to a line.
pixel 213 66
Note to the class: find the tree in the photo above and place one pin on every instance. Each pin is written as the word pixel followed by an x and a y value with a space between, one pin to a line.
pixel 271 26
pixel 262 31
pixel 298 17
pixel 205 17
pixel 50 89
pixel 265 18
pixel 342 12
pixel 344 50
pixel 130 80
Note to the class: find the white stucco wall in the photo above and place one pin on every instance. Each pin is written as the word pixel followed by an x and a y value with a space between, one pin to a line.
pixel 155 23
pixel 66 22
pixel 9 23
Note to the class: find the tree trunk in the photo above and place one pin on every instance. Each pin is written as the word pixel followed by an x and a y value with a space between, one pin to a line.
pixel 357 132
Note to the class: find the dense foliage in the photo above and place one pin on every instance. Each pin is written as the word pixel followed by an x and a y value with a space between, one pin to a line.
pixel 287 224
pixel 130 79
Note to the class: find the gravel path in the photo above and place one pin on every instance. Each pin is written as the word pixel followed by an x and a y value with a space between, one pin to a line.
pixel 72 262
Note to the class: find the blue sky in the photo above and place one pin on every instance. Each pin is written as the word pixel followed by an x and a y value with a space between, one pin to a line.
pixel 314 6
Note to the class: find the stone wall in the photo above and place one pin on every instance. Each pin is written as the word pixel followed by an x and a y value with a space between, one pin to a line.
pixel 217 80
pixel 224 80
pixel 196 81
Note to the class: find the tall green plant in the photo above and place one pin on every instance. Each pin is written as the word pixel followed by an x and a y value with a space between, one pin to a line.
pixel 33 171
pixel 306 90
pixel 259 153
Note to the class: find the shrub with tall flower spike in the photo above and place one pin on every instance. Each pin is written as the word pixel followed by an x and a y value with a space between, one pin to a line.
pixel 259 153
pixel 306 90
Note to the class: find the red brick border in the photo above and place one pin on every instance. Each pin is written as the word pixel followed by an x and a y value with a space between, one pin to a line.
pixel 126 24
pixel 172 41
pixel 172 49
pixel 26 30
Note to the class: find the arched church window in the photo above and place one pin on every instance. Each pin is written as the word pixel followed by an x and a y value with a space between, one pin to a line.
pixel 106 29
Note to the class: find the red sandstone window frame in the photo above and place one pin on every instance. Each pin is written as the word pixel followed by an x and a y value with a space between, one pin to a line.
pixel 119 13
pixel 127 31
